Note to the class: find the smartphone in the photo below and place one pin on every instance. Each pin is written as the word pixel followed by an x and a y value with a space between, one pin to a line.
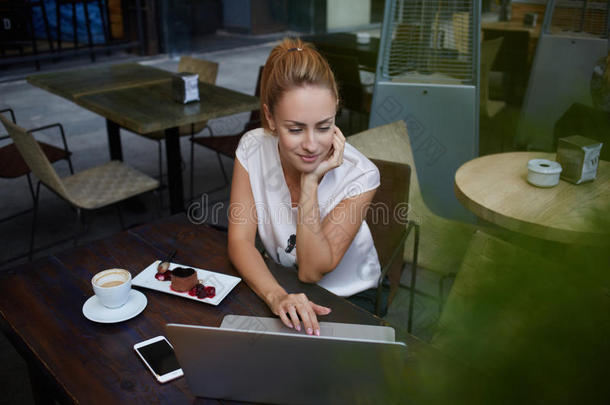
pixel 158 355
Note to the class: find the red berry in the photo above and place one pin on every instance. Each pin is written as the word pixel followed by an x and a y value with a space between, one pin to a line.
pixel 210 292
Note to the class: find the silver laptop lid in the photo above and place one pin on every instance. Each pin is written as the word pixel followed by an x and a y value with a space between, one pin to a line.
pixel 335 329
pixel 285 368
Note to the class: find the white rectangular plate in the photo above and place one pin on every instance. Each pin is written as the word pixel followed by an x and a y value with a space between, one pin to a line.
pixel 223 283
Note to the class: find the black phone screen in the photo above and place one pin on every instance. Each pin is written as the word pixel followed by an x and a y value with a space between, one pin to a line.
pixel 160 356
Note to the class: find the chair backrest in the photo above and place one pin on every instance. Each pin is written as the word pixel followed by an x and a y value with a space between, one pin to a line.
pixel 207 71
pixel 489 51
pixel 347 75
pixel 387 217
pixel 391 142
pixel 255 115
pixel 34 157
pixel 10 111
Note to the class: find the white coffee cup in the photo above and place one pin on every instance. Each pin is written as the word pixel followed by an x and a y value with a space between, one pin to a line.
pixel 363 37
pixel 112 287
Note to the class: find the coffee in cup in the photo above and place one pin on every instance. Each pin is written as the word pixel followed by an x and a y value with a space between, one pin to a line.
pixel 112 287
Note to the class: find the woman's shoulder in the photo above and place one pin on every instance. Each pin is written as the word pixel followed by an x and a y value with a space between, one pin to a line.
pixel 254 137
pixel 357 174
pixel 356 162
pixel 253 143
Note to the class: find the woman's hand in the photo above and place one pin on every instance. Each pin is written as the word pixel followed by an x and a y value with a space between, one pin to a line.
pixel 292 307
pixel 334 158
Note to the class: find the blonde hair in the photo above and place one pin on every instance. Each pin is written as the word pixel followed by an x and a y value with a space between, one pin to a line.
pixel 291 64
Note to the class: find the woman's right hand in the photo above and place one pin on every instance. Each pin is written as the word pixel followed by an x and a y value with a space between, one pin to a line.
pixel 292 307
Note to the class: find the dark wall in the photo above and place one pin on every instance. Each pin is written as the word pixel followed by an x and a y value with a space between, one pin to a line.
pixel 182 20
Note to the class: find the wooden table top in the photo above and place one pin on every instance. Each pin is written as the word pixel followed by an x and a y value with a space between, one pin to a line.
pixel 139 97
pixel 495 188
pixel 41 312
pixel 73 83
pixel 150 108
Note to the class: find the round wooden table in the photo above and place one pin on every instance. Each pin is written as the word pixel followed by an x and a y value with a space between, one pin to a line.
pixel 495 188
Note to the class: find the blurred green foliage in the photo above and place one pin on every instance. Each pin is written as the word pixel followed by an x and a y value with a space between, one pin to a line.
pixel 526 322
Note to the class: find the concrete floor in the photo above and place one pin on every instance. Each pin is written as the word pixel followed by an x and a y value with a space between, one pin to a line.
pixel 86 136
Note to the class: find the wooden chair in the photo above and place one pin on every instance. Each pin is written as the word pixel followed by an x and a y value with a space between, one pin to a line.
pixel 489 51
pixel 207 71
pixel 226 144
pixel 13 166
pixel 387 224
pixel 440 250
pixel 355 96
pixel 91 189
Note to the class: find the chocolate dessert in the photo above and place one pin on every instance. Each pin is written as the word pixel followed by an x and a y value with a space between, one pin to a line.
pixel 183 279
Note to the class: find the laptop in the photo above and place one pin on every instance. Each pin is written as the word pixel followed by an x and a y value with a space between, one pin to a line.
pixel 258 359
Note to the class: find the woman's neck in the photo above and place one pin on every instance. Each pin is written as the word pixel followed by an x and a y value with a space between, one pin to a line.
pixel 292 175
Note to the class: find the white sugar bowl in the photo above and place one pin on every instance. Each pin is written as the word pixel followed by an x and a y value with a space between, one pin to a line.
pixel 543 172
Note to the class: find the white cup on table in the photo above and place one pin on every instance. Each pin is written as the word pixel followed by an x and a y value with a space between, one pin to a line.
pixel 363 37
pixel 112 287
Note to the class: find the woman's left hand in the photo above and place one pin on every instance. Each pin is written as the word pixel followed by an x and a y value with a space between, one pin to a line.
pixel 335 155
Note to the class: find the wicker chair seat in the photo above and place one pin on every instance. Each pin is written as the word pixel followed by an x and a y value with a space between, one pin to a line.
pixel 106 184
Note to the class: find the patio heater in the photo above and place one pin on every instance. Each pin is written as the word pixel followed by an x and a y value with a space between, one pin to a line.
pixel 573 38
pixel 428 76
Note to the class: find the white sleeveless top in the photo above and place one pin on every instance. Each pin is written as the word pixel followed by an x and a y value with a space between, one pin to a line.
pixel 258 153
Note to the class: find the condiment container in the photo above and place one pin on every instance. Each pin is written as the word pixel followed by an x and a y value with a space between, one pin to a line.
pixel 185 87
pixel 579 157
pixel 543 172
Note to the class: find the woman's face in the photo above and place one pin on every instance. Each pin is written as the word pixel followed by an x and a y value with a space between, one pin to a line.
pixel 304 120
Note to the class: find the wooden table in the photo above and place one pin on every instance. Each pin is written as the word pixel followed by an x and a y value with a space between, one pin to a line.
pixel 139 98
pixel 80 361
pixel 88 362
pixel 495 188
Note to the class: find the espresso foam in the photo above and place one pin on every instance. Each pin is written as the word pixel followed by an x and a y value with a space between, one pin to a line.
pixel 112 283
pixel 112 278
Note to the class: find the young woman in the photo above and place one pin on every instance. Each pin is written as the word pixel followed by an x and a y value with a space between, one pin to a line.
pixel 305 190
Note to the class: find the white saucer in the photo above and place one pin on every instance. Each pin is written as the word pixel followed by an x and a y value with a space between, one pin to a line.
pixel 95 311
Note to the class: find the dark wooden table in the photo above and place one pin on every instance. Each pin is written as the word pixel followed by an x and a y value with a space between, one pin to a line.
pixel 73 83
pixel 81 361
pixel 344 43
pixel 139 98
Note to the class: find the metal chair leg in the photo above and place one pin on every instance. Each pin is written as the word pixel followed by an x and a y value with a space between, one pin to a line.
pixel 192 162
pixel 222 167
pixel 34 218
pixel 31 186
pixel 159 202
pixel 77 225
pixel 413 276
pixel 120 214
pixel 160 151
